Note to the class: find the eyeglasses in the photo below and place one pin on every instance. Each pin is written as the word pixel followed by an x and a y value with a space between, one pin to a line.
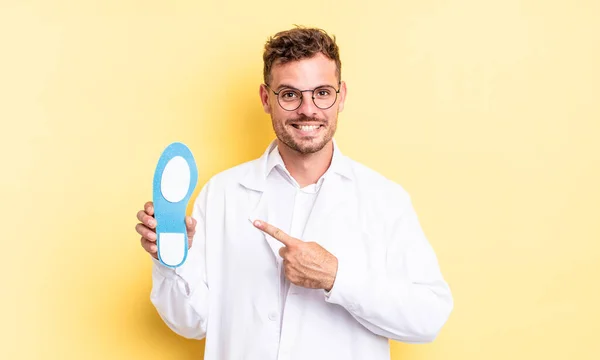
pixel 291 99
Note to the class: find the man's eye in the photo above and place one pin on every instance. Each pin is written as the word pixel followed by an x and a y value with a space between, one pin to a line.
pixel 289 95
pixel 323 93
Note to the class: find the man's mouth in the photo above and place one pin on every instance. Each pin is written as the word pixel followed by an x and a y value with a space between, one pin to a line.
pixel 306 127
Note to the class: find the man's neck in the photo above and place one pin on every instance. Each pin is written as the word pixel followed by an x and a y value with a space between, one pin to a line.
pixel 306 169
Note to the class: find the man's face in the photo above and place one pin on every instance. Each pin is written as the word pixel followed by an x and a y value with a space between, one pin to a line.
pixel 308 128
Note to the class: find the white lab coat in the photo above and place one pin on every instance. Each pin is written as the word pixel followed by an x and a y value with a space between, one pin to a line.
pixel 388 284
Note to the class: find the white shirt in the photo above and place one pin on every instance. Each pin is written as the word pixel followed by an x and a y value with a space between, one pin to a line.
pixel 388 283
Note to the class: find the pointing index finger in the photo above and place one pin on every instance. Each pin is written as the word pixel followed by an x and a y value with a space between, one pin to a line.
pixel 276 233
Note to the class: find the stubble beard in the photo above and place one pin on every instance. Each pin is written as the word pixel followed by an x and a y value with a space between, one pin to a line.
pixel 307 146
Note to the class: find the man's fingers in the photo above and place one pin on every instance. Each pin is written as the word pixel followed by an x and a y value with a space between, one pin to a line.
pixel 282 251
pixel 141 215
pixel 145 229
pixel 146 219
pixel 149 246
pixel 149 208
pixel 278 234
pixel 145 232
pixel 190 224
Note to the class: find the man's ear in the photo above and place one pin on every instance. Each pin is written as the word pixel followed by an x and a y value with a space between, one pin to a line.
pixel 342 95
pixel 264 98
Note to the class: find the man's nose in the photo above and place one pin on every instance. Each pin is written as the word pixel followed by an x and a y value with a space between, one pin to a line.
pixel 308 107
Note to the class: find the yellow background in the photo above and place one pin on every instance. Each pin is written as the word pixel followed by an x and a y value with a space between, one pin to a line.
pixel 487 112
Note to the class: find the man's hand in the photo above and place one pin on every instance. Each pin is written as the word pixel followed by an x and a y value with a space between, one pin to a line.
pixel 147 229
pixel 306 264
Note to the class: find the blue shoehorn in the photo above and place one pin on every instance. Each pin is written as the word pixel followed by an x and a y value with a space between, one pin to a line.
pixel 174 182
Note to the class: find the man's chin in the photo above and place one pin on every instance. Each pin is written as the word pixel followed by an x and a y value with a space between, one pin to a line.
pixel 309 146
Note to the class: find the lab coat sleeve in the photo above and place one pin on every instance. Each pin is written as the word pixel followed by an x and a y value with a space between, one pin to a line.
pixel 406 299
pixel 180 295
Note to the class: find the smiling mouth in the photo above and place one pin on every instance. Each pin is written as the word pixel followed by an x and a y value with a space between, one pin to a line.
pixel 306 127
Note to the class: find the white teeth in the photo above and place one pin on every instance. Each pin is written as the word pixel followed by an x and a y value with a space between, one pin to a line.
pixel 308 127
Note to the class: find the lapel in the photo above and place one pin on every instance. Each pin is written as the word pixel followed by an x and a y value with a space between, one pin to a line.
pixel 255 181
pixel 333 197
pixel 261 211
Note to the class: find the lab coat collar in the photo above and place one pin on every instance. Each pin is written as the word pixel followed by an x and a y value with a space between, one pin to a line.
pixel 256 177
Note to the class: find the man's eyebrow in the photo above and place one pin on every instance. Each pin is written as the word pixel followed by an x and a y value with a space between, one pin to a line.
pixel 286 86
pixel 282 86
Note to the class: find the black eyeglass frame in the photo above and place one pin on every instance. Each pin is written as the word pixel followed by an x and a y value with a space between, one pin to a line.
pixel 337 91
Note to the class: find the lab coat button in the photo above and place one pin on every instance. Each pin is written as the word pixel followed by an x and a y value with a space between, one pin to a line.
pixel 273 316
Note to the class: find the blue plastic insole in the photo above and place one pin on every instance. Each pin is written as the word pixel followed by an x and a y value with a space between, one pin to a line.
pixel 174 182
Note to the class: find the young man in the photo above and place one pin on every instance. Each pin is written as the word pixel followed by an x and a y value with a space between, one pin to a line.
pixel 302 253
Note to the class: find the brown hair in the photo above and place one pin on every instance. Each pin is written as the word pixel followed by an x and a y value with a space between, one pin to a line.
pixel 297 44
